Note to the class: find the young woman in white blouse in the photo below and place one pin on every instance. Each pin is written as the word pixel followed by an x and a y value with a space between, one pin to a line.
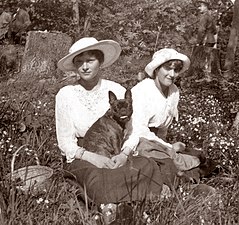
pixel 155 101
pixel 77 108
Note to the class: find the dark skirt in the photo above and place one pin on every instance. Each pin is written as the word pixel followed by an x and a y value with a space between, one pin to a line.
pixel 139 179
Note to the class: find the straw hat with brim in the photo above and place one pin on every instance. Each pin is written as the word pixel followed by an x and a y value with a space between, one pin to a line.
pixel 164 55
pixel 110 49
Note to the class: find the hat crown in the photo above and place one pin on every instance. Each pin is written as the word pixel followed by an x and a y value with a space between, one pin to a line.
pixel 165 52
pixel 82 43
pixel 164 55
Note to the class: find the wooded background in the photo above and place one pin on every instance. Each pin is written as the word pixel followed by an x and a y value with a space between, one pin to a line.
pixel 140 26
pixel 209 114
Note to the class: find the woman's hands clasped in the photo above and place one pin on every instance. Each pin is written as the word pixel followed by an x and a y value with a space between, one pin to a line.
pixel 99 161
pixel 119 160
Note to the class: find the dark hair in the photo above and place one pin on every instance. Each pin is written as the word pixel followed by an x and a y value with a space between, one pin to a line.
pixel 99 55
pixel 178 65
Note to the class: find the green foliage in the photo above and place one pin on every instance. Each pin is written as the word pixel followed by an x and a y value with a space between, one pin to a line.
pixel 53 15
pixel 148 27
pixel 27 115
pixel 140 26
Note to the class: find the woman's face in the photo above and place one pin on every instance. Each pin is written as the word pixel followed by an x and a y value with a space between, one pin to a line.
pixel 87 65
pixel 168 72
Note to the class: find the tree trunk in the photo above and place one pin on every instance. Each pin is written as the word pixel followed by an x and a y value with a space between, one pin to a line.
pixel 76 16
pixel 232 44
pixel 2 209
pixel 42 52
pixel 87 25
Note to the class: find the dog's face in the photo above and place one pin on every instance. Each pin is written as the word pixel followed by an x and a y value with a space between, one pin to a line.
pixel 121 109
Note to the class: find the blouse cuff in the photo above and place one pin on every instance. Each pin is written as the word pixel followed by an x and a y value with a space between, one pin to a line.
pixel 70 156
pixel 131 143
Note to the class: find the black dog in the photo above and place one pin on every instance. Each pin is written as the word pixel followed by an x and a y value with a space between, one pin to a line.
pixel 106 135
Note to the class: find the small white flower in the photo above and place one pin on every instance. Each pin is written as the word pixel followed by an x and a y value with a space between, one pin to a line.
pixel 110 206
pixel 39 200
pixel 97 217
pixel 102 206
pixel 108 213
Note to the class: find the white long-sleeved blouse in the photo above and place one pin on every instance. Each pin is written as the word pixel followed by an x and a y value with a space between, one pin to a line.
pixel 151 109
pixel 76 109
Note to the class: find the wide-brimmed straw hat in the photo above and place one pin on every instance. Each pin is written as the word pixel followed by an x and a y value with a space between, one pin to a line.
pixel 164 55
pixel 111 50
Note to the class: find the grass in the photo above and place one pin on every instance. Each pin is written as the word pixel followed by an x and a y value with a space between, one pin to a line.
pixel 27 118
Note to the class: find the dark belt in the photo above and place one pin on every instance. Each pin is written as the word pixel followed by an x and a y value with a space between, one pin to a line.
pixel 154 129
pixel 80 141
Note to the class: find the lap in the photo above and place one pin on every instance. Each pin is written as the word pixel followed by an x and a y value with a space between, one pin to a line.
pixel 139 178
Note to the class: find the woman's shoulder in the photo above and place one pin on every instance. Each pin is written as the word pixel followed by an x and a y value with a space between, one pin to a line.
pixel 145 89
pixel 111 82
pixel 146 83
pixel 112 85
pixel 65 90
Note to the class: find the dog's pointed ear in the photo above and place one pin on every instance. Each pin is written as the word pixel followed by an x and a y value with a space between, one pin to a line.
pixel 112 97
pixel 128 94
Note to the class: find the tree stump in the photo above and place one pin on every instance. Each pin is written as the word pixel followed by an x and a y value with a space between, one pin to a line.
pixel 42 52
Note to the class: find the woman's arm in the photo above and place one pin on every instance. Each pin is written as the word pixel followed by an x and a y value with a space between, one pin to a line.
pixel 143 113
pixel 99 161
pixel 138 126
pixel 65 130
pixel 66 136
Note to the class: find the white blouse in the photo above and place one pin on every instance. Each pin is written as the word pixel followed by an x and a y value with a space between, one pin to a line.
pixel 77 109
pixel 151 109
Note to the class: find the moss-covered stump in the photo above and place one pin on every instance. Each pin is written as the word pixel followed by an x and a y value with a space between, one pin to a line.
pixel 42 51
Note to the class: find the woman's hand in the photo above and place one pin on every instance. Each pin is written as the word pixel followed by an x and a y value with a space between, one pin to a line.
pixel 178 146
pixel 119 160
pixel 99 161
